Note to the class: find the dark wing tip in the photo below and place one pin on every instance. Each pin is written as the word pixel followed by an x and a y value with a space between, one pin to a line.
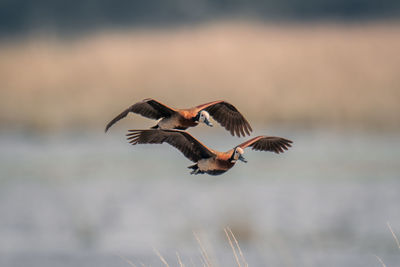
pixel 249 127
pixel 273 144
pixel 133 136
pixel 230 118
pixel 282 145
pixel 120 116
pixel 108 126
pixel 246 127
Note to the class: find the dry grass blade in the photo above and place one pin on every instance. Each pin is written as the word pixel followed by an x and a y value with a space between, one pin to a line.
pixel 381 261
pixel 179 260
pixel 394 235
pixel 204 254
pixel 237 245
pixel 126 260
pixel 202 260
pixel 233 248
pixel 161 257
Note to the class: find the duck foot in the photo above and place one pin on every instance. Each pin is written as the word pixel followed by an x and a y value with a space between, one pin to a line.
pixel 195 171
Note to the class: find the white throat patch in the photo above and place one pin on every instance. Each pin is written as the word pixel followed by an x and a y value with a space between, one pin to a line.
pixel 204 115
pixel 240 150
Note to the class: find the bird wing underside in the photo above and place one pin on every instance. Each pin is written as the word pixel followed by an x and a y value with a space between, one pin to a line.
pixel 268 143
pixel 148 108
pixel 193 149
pixel 228 116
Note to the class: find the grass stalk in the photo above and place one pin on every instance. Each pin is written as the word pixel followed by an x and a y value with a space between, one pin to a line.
pixel 233 247
pixel 161 257
pixel 237 245
pixel 203 251
pixel 394 235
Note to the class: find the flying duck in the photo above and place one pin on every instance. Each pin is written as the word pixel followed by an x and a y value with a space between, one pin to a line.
pixel 171 118
pixel 207 160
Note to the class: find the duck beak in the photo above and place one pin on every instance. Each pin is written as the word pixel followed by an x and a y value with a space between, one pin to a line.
pixel 206 121
pixel 242 159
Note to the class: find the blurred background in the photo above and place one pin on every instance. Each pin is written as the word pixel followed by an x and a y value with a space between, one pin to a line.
pixel 325 74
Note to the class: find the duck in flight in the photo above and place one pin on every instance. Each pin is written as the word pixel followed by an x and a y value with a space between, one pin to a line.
pixel 206 159
pixel 172 118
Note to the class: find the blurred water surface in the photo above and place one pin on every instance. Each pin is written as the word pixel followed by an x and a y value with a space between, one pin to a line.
pixel 79 199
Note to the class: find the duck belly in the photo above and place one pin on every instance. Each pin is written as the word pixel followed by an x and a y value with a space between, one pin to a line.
pixel 168 123
pixel 176 122
pixel 212 166
pixel 186 123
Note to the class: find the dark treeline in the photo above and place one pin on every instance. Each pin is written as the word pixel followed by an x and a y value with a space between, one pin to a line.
pixel 19 16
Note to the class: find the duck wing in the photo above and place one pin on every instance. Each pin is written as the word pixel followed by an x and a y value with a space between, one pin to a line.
pixel 228 116
pixel 268 143
pixel 192 148
pixel 149 108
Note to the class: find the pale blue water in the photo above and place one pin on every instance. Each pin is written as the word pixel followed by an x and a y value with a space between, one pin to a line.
pixel 82 199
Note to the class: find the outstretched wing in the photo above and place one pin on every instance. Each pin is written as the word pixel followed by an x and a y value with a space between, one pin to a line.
pixel 148 108
pixel 228 116
pixel 192 148
pixel 268 143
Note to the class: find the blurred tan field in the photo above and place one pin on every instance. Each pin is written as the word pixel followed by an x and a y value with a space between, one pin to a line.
pixel 308 75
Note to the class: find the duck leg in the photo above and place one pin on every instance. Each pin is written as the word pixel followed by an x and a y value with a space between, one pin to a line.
pixel 195 168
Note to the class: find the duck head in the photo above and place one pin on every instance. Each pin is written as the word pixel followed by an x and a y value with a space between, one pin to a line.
pixel 238 155
pixel 204 117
